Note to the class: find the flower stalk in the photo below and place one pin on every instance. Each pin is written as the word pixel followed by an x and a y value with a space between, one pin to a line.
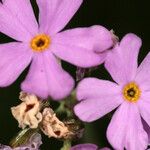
pixel 66 145
pixel 22 137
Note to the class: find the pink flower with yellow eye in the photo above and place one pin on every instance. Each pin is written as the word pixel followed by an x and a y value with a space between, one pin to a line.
pixel 43 45
pixel 130 93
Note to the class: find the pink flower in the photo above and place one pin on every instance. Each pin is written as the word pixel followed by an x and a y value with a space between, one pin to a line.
pixel 130 93
pixel 87 146
pixel 43 45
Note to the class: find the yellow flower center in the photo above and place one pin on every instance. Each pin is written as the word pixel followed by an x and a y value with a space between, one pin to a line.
pixel 40 42
pixel 131 92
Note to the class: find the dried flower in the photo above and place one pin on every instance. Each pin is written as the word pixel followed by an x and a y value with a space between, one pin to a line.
pixel 131 94
pixel 42 45
pixel 52 126
pixel 27 113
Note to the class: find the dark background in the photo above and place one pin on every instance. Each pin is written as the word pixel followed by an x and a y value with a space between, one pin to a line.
pixel 123 16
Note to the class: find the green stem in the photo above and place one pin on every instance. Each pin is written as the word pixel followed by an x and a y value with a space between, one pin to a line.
pixel 61 107
pixel 66 105
pixel 66 145
pixel 22 137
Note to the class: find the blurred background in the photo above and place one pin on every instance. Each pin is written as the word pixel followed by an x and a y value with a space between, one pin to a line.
pixel 123 16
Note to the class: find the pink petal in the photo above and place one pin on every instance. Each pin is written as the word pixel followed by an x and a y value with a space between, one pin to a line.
pixel 143 74
pixel 92 109
pixel 55 14
pixel 15 57
pixel 97 98
pixel 95 38
pixel 87 146
pixel 105 148
pixel 95 88
pixel 126 130
pixel 47 78
pixel 23 12
pixel 144 106
pixel 121 62
pixel 136 136
pixel 79 56
pixel 11 25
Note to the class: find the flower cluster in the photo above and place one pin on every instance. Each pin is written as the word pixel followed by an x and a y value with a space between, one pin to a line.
pixel 43 45
pixel 30 114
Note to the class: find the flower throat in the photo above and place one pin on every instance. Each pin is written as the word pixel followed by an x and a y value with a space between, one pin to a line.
pixel 131 92
pixel 40 43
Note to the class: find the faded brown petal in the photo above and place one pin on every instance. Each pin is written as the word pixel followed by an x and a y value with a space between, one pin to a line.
pixel 52 126
pixel 27 113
